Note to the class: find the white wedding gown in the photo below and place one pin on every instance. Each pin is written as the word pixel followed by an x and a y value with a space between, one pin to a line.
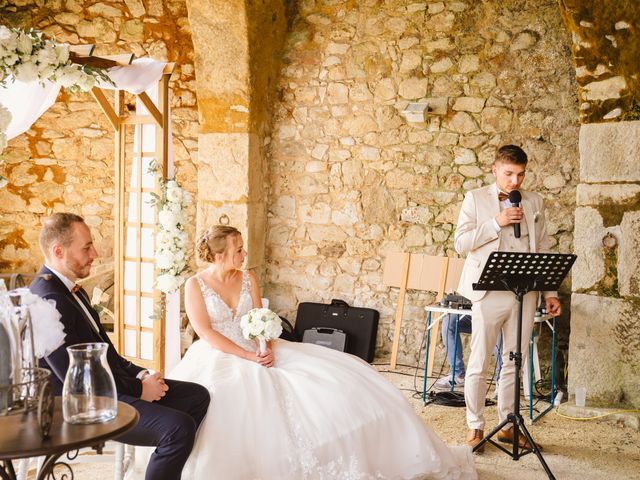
pixel 316 414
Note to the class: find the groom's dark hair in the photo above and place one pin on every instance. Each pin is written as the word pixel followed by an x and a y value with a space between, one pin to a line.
pixel 511 154
pixel 57 228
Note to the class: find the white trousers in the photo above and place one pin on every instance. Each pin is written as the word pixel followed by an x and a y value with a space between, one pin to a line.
pixel 495 311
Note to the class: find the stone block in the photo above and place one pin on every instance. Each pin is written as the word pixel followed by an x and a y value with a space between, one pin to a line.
pixel 319 213
pixel 136 7
pixel 413 88
pixel 495 119
pixel 472 171
pixel 420 214
pixel 223 173
pixel 604 89
pixel 587 240
pixel 102 9
pixel 385 90
pixel 442 65
pixel 604 350
pixel 132 31
pixel 468 63
pixel 464 156
pixel 67 18
pixel 603 194
pixel 337 93
pixel 629 255
pixel 411 60
pixel 610 152
pixel 360 125
pixel 469 104
pixel 461 122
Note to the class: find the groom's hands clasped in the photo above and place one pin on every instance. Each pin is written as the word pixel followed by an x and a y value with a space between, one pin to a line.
pixel 153 387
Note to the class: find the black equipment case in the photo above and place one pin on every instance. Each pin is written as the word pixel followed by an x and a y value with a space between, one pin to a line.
pixel 359 324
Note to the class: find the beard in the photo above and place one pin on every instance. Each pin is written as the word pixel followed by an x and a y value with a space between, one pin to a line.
pixel 79 269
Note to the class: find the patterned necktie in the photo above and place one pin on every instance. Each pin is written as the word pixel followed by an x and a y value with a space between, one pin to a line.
pixel 76 288
pixel 502 196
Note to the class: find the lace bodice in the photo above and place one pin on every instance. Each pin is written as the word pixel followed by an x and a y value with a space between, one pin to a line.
pixel 223 319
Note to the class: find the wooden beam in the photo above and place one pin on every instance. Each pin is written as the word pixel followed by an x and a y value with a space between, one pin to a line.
pixel 122 59
pixel 96 62
pixel 399 309
pixel 138 120
pixel 119 216
pixel 435 329
pixel 101 98
pixel 151 108
pixel 82 50
pixel 168 68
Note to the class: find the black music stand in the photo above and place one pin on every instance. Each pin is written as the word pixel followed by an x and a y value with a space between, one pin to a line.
pixel 521 273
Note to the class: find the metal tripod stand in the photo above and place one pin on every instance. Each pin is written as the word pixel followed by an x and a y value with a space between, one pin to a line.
pixel 521 273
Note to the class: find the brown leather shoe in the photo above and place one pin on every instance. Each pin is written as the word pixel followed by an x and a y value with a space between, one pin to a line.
pixel 473 438
pixel 506 436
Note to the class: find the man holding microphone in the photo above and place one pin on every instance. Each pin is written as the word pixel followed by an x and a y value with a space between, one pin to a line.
pixel 489 222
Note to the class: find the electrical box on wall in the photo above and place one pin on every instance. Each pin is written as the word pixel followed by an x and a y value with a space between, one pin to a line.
pixel 416 112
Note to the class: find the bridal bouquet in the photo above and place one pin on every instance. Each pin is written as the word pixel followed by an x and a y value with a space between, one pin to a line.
pixel 261 324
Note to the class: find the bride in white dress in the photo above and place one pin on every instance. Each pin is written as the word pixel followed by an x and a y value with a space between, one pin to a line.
pixel 300 411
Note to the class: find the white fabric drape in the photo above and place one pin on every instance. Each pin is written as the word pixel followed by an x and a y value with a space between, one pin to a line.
pixel 28 101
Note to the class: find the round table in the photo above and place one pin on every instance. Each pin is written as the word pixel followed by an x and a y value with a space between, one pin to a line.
pixel 20 437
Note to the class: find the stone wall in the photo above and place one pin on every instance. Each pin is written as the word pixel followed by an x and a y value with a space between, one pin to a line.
pixel 351 179
pixel 65 161
pixel 604 350
pixel 606 45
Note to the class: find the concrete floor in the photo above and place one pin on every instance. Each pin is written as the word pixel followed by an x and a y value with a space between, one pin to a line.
pixel 574 450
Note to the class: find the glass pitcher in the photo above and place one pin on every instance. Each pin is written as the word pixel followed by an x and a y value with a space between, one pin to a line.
pixel 89 391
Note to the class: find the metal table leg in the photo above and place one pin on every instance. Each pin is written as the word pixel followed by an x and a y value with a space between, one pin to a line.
pixel 552 326
pixel 455 353
pixel 426 358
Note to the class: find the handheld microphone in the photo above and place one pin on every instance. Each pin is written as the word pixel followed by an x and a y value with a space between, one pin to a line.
pixel 515 197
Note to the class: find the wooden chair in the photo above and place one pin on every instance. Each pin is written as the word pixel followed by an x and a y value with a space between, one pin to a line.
pixel 418 271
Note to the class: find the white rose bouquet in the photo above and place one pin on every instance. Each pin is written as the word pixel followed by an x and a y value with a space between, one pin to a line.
pixel 261 324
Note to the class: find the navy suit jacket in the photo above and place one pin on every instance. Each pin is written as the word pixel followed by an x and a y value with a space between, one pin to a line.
pixel 78 329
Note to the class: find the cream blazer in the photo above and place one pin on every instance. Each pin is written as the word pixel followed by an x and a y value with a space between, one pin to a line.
pixel 476 236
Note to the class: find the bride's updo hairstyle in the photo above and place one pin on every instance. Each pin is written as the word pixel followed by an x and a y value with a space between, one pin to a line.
pixel 213 241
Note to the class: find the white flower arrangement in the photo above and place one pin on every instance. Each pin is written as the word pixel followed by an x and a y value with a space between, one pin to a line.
pixel 48 331
pixel 170 238
pixel 261 324
pixel 25 55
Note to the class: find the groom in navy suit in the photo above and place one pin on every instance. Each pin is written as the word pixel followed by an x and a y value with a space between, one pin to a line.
pixel 170 410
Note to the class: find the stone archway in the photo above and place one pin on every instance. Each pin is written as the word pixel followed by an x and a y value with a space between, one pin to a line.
pixel 237 48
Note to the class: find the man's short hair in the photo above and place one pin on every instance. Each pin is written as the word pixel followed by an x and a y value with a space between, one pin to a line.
pixel 57 228
pixel 511 154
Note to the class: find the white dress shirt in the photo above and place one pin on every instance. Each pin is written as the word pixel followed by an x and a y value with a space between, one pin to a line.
pixel 69 284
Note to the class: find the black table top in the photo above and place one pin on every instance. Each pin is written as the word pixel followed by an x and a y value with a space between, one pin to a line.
pixel 20 435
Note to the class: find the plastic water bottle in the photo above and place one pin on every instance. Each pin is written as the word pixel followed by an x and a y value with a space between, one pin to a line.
pixel 558 400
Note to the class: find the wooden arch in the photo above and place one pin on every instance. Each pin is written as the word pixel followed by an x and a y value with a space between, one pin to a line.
pixel 133 321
